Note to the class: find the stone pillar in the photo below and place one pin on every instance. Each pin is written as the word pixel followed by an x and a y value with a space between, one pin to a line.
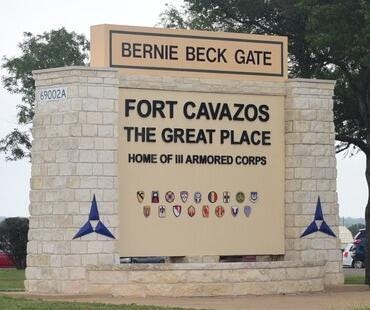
pixel 311 172
pixel 74 156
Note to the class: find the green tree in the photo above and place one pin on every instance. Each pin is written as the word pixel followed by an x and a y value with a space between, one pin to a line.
pixel 13 239
pixel 57 48
pixel 327 39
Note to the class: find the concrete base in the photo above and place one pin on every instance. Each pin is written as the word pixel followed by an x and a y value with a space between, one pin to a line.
pixel 210 279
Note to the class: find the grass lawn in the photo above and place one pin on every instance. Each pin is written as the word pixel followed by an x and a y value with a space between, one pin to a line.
pixel 354 279
pixel 27 304
pixel 11 280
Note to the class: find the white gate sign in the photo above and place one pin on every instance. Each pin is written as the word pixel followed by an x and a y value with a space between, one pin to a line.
pixel 52 94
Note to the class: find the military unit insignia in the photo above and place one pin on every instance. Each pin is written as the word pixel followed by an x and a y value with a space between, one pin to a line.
pixel 162 211
pixel 234 211
pixel 197 197
pixel 176 210
pixel 212 197
pixel 219 211
pixel 140 196
pixel 155 197
pixel 184 196
pixel 226 197
pixel 191 211
pixel 170 196
pixel 146 211
pixel 240 197
pixel 253 197
pixel 247 211
pixel 205 211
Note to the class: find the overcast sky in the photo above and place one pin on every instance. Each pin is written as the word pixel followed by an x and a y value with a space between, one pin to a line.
pixel 37 16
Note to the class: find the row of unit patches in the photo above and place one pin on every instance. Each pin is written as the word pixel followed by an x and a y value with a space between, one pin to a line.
pixel 184 196
pixel 177 210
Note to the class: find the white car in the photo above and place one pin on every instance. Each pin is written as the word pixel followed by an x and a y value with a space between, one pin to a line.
pixel 347 255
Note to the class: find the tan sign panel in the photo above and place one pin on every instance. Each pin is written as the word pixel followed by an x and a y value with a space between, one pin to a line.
pixel 200 173
pixel 189 53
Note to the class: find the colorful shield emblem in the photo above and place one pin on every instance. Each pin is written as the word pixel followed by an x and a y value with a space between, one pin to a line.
pixel 226 197
pixel 140 196
pixel 240 197
pixel 253 197
pixel 191 211
pixel 176 210
pixel 146 211
pixel 155 197
pixel 247 211
pixel 212 197
pixel 205 211
pixel 234 211
pixel 184 196
pixel 161 211
pixel 219 211
pixel 170 196
pixel 197 197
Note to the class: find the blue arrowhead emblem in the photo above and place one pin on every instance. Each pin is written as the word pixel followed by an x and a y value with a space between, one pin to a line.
pixel 318 223
pixel 100 228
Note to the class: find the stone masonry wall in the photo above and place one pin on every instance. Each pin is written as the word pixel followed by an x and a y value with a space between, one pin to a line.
pixel 311 172
pixel 74 156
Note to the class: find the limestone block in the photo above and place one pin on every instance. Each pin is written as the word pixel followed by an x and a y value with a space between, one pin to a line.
pixel 77 273
pixel 97 169
pixel 293 138
pixel 308 161
pixel 75 131
pixel 109 118
pixel 309 138
pixel 89 104
pixel 105 156
pixel 88 156
pixel 105 182
pixel 106 105
pixel 73 287
pixel 333 279
pixel 95 91
pixel 301 126
pixel 89 259
pixel 302 173
pixel 289 173
pixel 301 196
pixel 71 260
pixel 106 259
pixel 109 169
pixel 94 117
pixel 110 92
pixel 78 247
pixel 83 195
pixel 94 247
pixel 107 74
pixel 106 131
pixel 88 182
pixel 89 130
pixel 309 185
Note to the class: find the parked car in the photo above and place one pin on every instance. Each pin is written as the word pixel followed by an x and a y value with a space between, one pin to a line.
pixel 361 234
pixel 347 255
pixel 142 260
pixel 359 253
pixel 5 261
